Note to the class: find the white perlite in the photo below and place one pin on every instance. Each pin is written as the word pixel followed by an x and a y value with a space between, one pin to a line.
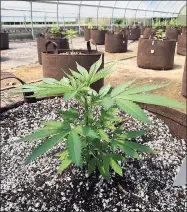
pixel 146 186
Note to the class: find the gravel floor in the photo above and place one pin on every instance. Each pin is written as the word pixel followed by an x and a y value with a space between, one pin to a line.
pixel 145 187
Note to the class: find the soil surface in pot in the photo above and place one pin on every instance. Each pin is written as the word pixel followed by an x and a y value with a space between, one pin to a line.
pixel 146 185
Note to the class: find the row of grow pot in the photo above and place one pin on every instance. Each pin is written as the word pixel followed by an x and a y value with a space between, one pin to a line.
pixel 154 51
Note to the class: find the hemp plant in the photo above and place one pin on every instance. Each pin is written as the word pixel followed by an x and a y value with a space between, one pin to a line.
pixel 159 34
pixel 70 34
pixel 56 31
pixel 118 21
pixel 93 135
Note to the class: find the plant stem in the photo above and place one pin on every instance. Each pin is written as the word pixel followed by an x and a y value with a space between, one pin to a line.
pixel 71 44
pixel 86 112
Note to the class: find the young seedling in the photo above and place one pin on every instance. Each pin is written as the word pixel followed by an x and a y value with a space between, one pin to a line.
pixel 90 25
pixel 118 21
pixel 93 136
pixel 70 34
pixel 56 31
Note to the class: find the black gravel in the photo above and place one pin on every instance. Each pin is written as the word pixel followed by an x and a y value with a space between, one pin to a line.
pixel 146 186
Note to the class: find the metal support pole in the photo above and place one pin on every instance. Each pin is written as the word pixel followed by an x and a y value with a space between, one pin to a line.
pixel 32 29
pixel 126 9
pixel 137 11
pixel 112 21
pixel 79 18
pixel 57 13
pixel 146 12
pixel 98 13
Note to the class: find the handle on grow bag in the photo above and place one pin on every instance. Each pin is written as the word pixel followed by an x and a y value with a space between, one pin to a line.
pixel 55 46
pixel 89 46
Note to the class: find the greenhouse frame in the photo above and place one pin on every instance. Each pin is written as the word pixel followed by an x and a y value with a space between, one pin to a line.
pixel 82 11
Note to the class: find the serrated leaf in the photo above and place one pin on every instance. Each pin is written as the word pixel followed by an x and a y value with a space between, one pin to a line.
pixel 114 145
pixel 102 170
pixel 129 151
pixel 94 68
pixel 82 71
pixel 50 80
pixel 139 147
pixel 74 146
pixel 107 102
pixel 39 134
pixel 45 146
pixel 116 167
pixel 103 73
pixel 134 134
pixel 121 88
pixel 64 164
pixel 69 114
pixel 62 155
pixel 155 100
pixel 103 135
pixel 133 110
pixel 143 88
pixel 86 131
pixel 52 124
pixel 70 95
pixel 91 165
pixel 104 90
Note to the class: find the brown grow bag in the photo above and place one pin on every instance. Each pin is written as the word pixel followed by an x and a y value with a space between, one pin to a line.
pixel 148 32
pixel 41 41
pixel 172 34
pixel 142 29
pixel 98 36
pixel 87 34
pixel 184 87
pixel 4 41
pixel 115 43
pixel 175 120
pixel 134 34
pixel 55 63
pixel 184 30
pixel 181 45
pixel 156 54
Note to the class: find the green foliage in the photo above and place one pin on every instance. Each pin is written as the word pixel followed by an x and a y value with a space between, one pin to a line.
pixel 118 21
pixel 172 23
pixel 92 139
pixel 56 31
pixel 90 26
pixel 159 34
pixel 156 23
pixel 70 34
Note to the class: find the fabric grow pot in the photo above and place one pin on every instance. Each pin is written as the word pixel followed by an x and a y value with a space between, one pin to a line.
pixel 172 33
pixel 134 34
pixel 184 87
pixel 42 40
pixel 181 45
pixel 59 60
pixel 156 54
pixel 87 34
pixel 98 36
pixel 115 43
pixel 148 32
pixel 4 41
pixel 142 29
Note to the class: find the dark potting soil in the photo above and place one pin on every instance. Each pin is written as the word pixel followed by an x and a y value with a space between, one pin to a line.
pixel 146 185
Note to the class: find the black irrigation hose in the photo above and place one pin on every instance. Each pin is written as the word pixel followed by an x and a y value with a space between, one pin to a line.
pixel 121 59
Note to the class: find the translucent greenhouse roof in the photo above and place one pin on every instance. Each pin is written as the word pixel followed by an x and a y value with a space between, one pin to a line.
pixel 92 9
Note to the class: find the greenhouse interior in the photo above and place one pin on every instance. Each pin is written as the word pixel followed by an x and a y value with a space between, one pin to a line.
pixel 93 106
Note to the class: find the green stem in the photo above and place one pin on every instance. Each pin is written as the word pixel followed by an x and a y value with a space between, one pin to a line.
pixel 86 112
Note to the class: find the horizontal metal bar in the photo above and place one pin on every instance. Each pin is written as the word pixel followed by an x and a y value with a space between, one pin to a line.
pixel 16 9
